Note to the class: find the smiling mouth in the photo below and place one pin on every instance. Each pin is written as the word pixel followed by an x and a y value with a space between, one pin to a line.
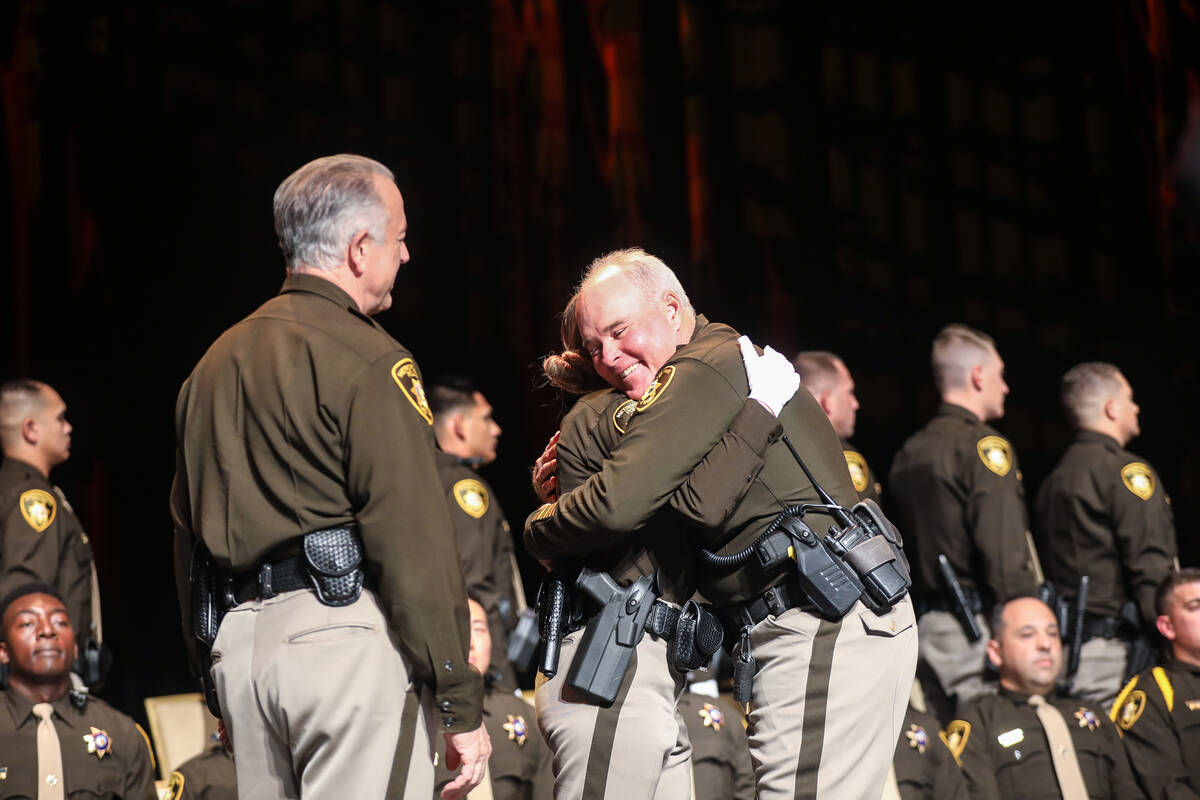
pixel 628 371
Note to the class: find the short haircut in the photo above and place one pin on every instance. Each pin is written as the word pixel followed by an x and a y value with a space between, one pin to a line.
pixel 997 619
pixel 818 369
pixel 654 278
pixel 1162 595
pixel 319 207
pixel 1085 388
pixel 25 589
pixel 449 393
pixel 956 349
pixel 19 399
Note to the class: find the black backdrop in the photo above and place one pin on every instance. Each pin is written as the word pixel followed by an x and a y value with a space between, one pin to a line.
pixel 849 178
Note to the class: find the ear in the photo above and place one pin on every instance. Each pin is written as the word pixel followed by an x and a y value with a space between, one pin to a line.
pixel 31 431
pixel 673 308
pixel 3 653
pixel 1165 627
pixel 993 653
pixel 977 377
pixel 356 253
pixel 823 400
pixel 1110 408
pixel 458 425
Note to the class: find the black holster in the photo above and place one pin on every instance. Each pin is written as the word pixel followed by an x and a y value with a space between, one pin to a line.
pixel 334 558
pixel 611 636
pixel 211 596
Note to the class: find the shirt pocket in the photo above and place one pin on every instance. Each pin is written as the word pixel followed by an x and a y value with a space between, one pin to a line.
pixel 890 623
pixel 333 632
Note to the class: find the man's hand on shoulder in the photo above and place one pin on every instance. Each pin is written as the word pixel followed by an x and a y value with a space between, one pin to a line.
pixel 471 750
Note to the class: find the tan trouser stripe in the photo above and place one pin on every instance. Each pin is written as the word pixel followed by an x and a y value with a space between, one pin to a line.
pixel 405 744
pixel 604 737
pixel 816 697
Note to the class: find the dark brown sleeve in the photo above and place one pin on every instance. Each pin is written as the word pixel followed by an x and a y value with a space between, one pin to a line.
pixel 26 554
pixel 399 503
pixel 1145 533
pixel 1153 746
pixel 998 521
pixel 977 767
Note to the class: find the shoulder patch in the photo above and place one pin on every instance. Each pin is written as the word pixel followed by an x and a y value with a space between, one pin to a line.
pixel 955 738
pixel 623 414
pixel 1138 479
pixel 1131 710
pixel 858 469
pixel 1115 712
pixel 38 508
pixel 657 389
pixel 404 373
pixel 995 453
pixel 175 786
pixel 1164 686
pixel 472 497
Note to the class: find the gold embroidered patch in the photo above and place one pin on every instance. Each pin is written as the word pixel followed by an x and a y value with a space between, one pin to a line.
pixel 656 390
pixel 38 508
pixel 404 372
pixel 623 414
pixel 858 469
pixel 1132 709
pixel 1138 479
pixel 175 786
pixel 544 512
pixel 995 453
pixel 472 497
pixel 1115 711
pixel 955 738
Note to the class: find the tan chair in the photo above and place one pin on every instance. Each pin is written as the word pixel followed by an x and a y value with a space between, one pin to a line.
pixel 181 727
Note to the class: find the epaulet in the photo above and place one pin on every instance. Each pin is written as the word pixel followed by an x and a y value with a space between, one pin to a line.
pixel 1164 686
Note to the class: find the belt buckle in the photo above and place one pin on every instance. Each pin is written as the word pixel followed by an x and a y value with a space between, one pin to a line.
pixel 265 591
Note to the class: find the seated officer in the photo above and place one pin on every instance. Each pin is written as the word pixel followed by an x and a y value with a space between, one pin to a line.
pixel 1158 711
pixel 721 768
pixel 208 776
pixel 923 767
pixel 467 436
pixel 1026 741
pixel 520 767
pixel 56 742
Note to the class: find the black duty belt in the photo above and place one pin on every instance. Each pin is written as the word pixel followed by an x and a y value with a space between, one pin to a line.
pixel 271 578
pixel 775 600
pixel 1098 627
pixel 661 622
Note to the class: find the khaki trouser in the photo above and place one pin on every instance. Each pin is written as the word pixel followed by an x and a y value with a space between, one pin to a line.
pixel 318 702
pixel 636 749
pixel 1101 668
pixel 829 701
pixel 957 663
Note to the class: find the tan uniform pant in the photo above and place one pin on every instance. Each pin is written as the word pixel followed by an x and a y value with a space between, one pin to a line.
pixel 637 748
pixel 317 701
pixel 829 701
pixel 1101 668
pixel 957 663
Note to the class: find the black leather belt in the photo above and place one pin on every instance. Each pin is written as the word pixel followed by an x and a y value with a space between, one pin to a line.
pixel 1098 627
pixel 775 600
pixel 271 578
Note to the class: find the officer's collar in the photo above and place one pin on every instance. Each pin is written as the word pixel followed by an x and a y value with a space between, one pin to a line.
pixel 10 464
pixel 1084 435
pixel 1021 698
pixel 701 324
pixel 21 708
pixel 954 410
pixel 1182 666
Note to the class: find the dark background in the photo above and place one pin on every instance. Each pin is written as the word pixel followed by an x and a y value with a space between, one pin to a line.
pixel 850 177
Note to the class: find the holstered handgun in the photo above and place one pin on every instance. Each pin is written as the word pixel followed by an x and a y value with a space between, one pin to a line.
pixel 523 642
pixel 610 637
pixel 211 596
pixel 962 609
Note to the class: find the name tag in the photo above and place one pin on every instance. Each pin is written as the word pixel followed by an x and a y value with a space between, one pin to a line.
pixel 1009 738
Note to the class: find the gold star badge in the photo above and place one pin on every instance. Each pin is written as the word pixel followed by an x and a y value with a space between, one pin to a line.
pixel 1087 719
pixel 518 731
pixel 98 742
pixel 918 739
pixel 713 717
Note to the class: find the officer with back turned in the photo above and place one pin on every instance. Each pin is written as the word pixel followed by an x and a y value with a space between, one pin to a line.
pixel 1102 512
pixel 956 491
pixel 305 473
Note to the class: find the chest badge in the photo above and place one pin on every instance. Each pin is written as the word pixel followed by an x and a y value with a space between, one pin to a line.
pixel 1138 479
pixel 1009 738
pixel 37 507
pixel 712 716
pixel 472 497
pixel 518 731
pixel 98 742
pixel 918 739
pixel 404 373
pixel 995 454
pixel 3 773
pixel 858 469
pixel 1087 719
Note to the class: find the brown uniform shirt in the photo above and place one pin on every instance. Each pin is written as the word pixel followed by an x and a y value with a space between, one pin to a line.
pixel 308 415
pixel 485 548
pixel 865 481
pixel 119 764
pixel 1158 713
pixel 1005 753
pixel 720 754
pixel 1103 513
pixel 925 767
pixel 684 415
pixel 956 489
pixel 208 776
pixel 42 541
pixel 521 765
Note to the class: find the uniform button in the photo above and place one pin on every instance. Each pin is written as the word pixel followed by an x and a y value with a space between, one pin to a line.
pixel 449 722
pixel 448 666
pixel 444 705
